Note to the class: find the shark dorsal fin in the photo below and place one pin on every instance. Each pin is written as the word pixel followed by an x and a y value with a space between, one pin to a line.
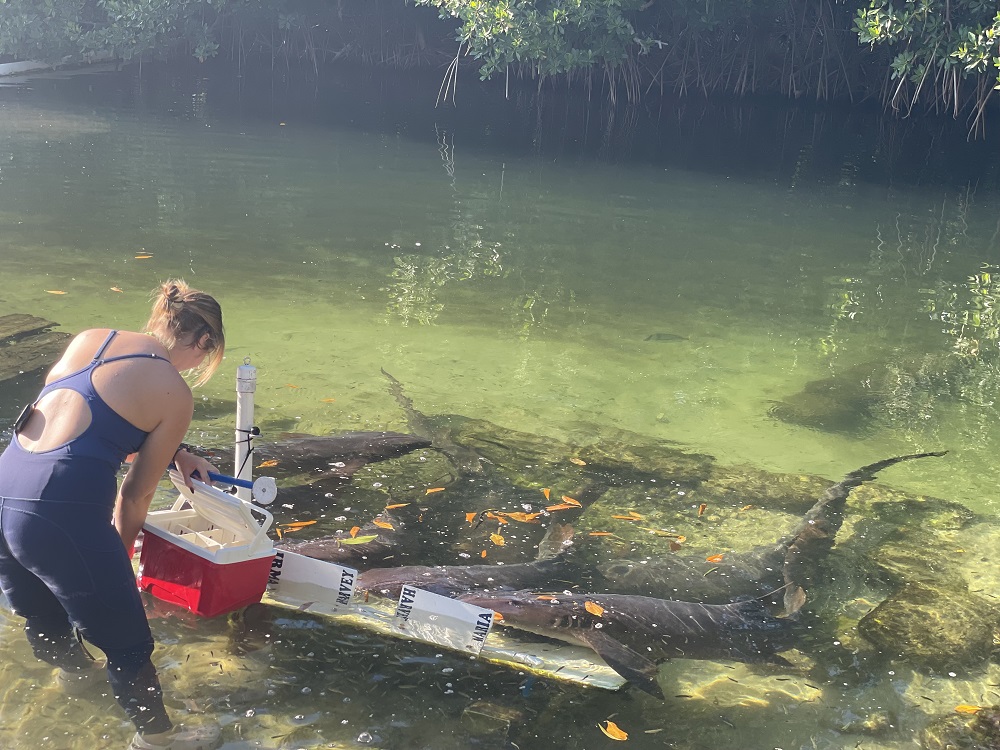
pixel 634 667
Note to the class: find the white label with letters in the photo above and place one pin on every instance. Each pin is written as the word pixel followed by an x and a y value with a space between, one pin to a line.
pixel 443 621
pixel 303 577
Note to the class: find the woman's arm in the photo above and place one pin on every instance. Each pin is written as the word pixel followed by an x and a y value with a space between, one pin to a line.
pixel 157 451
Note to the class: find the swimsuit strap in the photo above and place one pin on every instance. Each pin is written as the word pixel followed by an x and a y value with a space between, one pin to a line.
pixel 97 360
pixel 148 355
pixel 104 346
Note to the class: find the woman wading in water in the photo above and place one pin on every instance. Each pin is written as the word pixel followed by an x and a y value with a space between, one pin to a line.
pixel 67 530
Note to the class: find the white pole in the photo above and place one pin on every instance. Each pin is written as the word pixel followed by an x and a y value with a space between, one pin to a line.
pixel 246 385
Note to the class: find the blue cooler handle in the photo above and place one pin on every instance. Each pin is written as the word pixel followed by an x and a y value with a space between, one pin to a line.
pixel 244 483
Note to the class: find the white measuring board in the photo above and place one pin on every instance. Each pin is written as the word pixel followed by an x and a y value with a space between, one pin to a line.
pixel 308 580
pixel 445 622
pixel 319 587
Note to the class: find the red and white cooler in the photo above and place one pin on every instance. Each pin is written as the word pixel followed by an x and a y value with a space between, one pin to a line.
pixel 210 553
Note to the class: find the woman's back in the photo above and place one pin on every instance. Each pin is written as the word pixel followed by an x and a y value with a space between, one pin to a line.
pixel 100 400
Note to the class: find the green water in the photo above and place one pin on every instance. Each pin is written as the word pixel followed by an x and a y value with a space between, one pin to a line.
pixel 507 285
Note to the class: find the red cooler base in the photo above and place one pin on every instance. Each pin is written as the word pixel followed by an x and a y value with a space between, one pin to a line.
pixel 176 575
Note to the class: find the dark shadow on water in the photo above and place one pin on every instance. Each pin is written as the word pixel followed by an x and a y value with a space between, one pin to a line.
pixel 791 143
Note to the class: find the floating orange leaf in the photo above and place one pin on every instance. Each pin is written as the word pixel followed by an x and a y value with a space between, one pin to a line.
pixel 601 533
pixel 546 491
pixel 290 385
pixel 561 506
pixel 55 291
pixel 354 531
pixel 681 538
pixel 296 525
pixel 432 490
pixel 635 515
pixel 746 507
pixel 470 517
pixel 578 461
pixel 571 501
pixel 396 505
pixel 116 289
pixel 144 256
pixel 967 709
pixel 483 553
pixel 594 608
pixel 497 617
pixel 546 598
pixel 613 731
pixel 382 524
pixel 701 509
pixel 327 400
pixel 267 464
pixel 626 518
pixel 498 540
pixel 714 558
pixel 524 517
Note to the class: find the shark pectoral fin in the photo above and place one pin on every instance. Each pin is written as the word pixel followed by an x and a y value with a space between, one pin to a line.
pixel 558 536
pixel 634 667
pixel 795 598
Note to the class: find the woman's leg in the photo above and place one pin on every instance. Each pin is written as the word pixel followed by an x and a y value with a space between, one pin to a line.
pixel 47 625
pixel 77 556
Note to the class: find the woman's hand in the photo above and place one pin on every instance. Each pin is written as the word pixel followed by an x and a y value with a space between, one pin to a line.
pixel 189 465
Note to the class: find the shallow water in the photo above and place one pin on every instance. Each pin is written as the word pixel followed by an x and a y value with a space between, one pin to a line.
pixel 565 296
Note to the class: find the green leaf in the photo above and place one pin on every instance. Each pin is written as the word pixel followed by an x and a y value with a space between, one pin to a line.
pixel 360 539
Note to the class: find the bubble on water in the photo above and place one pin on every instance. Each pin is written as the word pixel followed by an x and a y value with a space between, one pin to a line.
pixel 250 713
pixel 365 738
pixel 306 690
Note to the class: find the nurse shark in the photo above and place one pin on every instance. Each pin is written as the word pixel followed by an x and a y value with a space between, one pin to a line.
pixel 788 564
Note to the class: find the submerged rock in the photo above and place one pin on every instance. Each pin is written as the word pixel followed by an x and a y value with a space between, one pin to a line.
pixel 981 731
pixel 933 628
pixel 491 718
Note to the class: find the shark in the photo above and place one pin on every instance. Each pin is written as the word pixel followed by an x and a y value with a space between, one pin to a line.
pixel 375 542
pixel 633 634
pixel 551 564
pixel 789 564
pixel 337 456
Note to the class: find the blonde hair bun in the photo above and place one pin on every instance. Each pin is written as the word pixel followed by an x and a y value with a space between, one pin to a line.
pixel 182 316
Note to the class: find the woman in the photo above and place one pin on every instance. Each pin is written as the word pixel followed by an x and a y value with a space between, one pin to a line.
pixel 67 530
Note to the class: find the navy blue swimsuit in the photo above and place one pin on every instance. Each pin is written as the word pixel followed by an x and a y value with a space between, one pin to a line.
pixel 61 559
